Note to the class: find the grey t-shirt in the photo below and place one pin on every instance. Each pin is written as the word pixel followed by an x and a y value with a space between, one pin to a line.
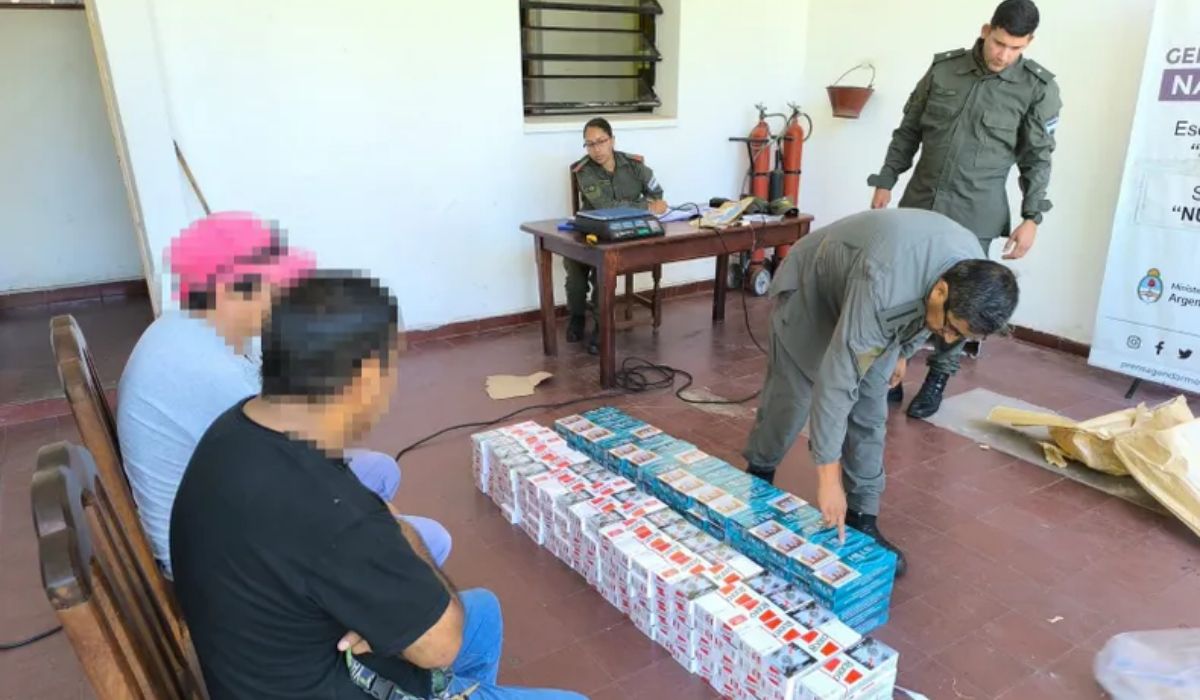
pixel 181 376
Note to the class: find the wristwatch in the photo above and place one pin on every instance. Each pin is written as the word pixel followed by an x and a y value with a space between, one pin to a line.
pixel 1034 217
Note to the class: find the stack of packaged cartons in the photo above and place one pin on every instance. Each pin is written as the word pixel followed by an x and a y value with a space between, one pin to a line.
pixel 852 577
pixel 731 583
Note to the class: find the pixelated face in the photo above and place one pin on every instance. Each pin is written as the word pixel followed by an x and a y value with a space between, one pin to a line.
pixel 599 145
pixel 372 394
pixel 246 308
pixel 1001 49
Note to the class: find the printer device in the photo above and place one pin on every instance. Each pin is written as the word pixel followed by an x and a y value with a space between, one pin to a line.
pixel 619 224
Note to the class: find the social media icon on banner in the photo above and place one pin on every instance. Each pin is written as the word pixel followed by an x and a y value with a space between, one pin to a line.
pixel 1185 354
pixel 1159 347
pixel 1134 342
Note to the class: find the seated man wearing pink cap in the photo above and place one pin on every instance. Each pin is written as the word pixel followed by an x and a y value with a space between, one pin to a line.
pixel 191 365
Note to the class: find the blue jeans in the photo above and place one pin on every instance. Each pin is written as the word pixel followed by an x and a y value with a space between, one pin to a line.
pixel 479 658
pixel 381 474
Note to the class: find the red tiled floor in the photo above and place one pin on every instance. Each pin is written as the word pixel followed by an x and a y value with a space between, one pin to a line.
pixel 984 663
pixel 665 679
pixel 997 548
pixel 937 682
pixel 1028 638
pixel 27 372
pixel 1070 678
pixel 609 692
pixel 572 667
pixel 1069 615
pixel 623 650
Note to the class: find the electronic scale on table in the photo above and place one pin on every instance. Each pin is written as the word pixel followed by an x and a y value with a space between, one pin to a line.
pixel 620 224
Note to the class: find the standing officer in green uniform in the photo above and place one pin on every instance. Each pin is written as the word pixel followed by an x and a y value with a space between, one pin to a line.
pixel 974 115
pixel 852 302
pixel 606 178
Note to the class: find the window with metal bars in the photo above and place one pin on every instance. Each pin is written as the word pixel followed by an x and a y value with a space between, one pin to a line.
pixel 589 56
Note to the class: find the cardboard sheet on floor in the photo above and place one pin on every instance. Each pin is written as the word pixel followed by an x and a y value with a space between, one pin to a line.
pixel 967 415
pixel 509 386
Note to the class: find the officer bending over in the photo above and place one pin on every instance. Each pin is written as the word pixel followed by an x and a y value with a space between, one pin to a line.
pixel 852 302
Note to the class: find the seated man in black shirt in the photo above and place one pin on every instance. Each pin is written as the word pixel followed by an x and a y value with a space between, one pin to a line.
pixel 279 551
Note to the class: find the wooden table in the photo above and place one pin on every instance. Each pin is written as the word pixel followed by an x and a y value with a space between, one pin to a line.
pixel 683 241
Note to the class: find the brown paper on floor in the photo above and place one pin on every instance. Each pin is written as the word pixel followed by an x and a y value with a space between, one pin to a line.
pixel 1167 464
pixel 1091 442
pixel 508 386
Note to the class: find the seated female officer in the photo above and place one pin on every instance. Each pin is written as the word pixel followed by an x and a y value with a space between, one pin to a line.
pixel 607 178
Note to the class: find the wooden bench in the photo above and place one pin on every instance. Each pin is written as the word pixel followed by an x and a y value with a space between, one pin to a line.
pixel 107 483
pixel 119 629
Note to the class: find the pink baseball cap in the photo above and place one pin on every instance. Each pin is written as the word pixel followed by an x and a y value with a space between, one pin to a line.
pixel 227 245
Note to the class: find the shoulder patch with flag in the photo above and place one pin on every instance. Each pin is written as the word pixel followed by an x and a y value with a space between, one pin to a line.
pixel 1052 124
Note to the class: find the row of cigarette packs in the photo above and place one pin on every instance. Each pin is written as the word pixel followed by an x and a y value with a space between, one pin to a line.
pixel 747 632
pixel 780 531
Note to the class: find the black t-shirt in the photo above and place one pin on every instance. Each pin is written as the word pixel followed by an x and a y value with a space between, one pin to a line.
pixel 277 551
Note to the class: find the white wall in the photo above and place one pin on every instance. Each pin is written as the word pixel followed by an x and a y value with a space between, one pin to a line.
pixel 63 216
pixel 390 136
pixel 127 45
pixel 1095 47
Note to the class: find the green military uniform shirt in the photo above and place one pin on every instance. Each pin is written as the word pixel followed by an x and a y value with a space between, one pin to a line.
pixel 972 126
pixel 630 184
pixel 853 292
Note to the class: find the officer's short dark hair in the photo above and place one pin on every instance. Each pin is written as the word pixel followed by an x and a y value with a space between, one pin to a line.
pixel 598 123
pixel 206 299
pixel 321 331
pixel 1017 17
pixel 983 293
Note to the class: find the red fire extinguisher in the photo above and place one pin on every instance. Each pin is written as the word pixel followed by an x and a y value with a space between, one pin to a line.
pixel 792 148
pixel 757 277
pixel 760 161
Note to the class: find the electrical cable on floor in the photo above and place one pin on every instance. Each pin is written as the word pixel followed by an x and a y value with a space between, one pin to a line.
pixel 635 376
pixel 506 416
pixel 9 646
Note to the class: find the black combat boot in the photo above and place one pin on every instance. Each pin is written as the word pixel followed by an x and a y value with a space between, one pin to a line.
pixel 593 341
pixel 896 394
pixel 867 525
pixel 575 328
pixel 767 475
pixel 929 399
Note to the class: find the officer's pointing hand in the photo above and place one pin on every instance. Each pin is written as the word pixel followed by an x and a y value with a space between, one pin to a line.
pixel 831 497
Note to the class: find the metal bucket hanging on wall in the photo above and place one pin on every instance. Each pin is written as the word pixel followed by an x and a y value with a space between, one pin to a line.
pixel 848 101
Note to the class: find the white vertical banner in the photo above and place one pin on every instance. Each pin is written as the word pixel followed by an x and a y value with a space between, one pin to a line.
pixel 1148 320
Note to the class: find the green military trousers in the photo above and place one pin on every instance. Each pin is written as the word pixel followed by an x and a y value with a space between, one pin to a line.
pixel 947 357
pixel 783 408
pixel 578 277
